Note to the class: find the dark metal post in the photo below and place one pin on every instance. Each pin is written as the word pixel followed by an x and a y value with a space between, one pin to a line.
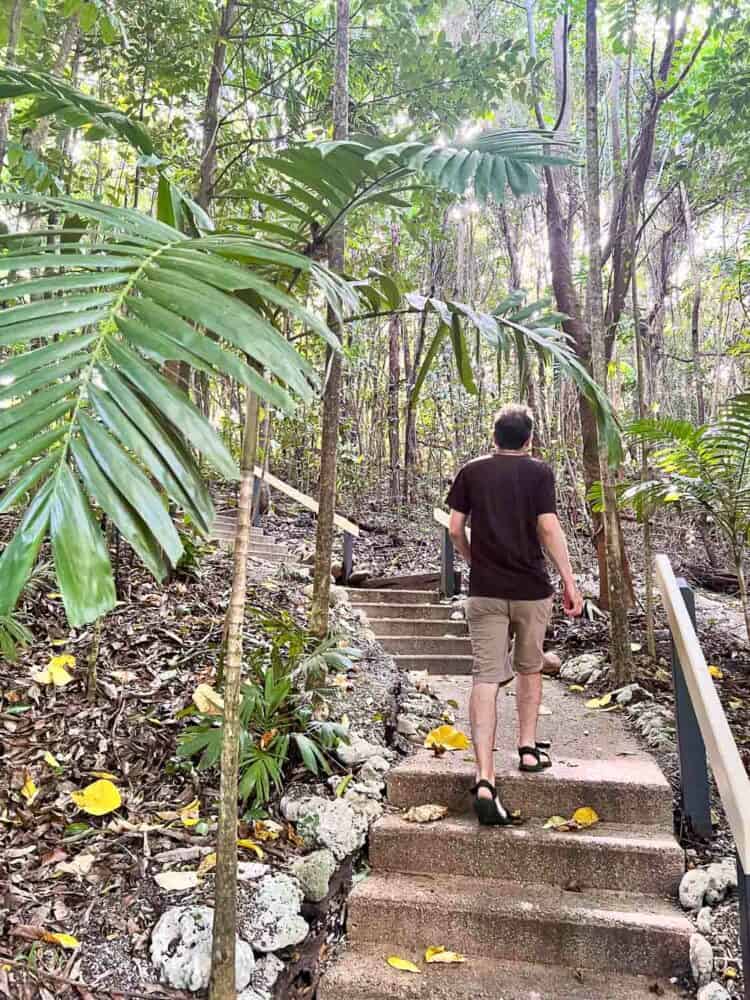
pixel 447 570
pixel 694 787
pixel 348 556
pixel 743 891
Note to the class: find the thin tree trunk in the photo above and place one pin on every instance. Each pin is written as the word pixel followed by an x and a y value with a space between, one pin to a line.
pixel 743 590
pixel 211 108
pixel 14 33
pixel 225 898
pixel 695 311
pixel 621 656
pixel 642 381
pixel 332 395
pixel 67 45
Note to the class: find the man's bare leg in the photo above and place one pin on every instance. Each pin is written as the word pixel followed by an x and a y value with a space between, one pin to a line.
pixel 528 700
pixel 483 715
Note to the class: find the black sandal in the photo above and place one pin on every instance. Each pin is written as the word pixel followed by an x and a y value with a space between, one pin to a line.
pixel 538 752
pixel 490 812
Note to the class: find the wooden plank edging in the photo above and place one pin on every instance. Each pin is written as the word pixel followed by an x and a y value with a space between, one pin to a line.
pixel 304 501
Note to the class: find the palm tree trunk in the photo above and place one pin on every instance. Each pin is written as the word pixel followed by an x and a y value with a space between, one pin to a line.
pixel 332 395
pixel 225 901
pixel 622 662
pixel 211 108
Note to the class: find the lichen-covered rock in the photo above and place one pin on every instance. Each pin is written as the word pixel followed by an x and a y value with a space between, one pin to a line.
pixel 314 874
pixel 704 921
pixel 331 823
pixel 421 704
pixel 701 959
pixel 406 726
pixel 374 769
pixel 181 949
pixel 267 971
pixel 249 871
pixel 693 888
pixel 722 876
pixel 357 751
pixel 363 804
pixel 580 668
pixel 272 921
pixel 713 991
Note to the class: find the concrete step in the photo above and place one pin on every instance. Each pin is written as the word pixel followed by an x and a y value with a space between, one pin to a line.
pixel 598 930
pixel 418 627
pixel 358 595
pixel 436 664
pixel 377 609
pixel 437 647
pixel 365 975
pixel 630 790
pixel 606 856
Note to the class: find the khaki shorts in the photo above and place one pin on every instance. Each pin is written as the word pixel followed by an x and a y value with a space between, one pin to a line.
pixel 493 622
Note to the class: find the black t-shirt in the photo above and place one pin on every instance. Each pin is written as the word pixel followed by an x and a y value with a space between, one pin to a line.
pixel 505 494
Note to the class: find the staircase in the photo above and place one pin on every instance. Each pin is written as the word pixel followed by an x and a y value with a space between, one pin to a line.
pixel 587 915
pixel 417 629
pixel 262 546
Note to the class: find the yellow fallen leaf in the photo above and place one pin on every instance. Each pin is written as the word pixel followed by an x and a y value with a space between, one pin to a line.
pixel 427 813
pixel 340 681
pixel 250 845
pixel 54 595
pixel 99 798
pixel 735 703
pixel 730 972
pixel 555 822
pixel 585 816
pixel 207 700
pixel 191 813
pixel 576 687
pixel 716 672
pixel 58 642
pixel 447 738
pixel 599 702
pixel 207 864
pixel 440 954
pixel 55 672
pixel 402 964
pixel 344 721
pixel 29 790
pixel 49 758
pixel 104 774
pixel 64 940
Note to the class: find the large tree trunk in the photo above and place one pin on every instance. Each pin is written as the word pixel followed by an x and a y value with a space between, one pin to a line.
pixel 14 33
pixel 332 395
pixel 620 652
pixel 211 108
pixel 225 900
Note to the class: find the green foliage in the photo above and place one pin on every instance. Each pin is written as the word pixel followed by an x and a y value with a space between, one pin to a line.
pixel 702 468
pixel 12 635
pixel 280 703
pixel 92 414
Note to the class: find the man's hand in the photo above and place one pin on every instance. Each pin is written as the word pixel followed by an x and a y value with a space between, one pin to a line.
pixel 572 599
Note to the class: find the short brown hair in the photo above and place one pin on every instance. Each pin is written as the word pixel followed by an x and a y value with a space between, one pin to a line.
pixel 514 425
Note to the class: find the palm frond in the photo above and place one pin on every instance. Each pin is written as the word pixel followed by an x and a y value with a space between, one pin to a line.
pixel 90 413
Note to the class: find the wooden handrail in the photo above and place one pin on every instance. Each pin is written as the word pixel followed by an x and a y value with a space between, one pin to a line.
pixel 444 520
pixel 304 501
pixel 726 763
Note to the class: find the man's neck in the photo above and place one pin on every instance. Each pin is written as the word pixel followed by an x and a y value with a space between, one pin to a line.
pixel 511 451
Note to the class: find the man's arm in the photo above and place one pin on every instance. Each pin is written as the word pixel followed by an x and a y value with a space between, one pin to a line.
pixel 552 538
pixel 457 530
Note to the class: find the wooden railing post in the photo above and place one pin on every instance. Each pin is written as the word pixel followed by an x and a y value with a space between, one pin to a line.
pixel 348 563
pixel 694 787
pixel 447 566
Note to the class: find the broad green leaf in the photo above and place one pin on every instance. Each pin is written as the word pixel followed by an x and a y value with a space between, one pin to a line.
pixel 19 555
pixel 82 565
pixel 132 485
pixel 130 525
pixel 42 377
pixel 12 494
pixel 37 403
pixel 22 364
pixel 22 434
pixel 17 457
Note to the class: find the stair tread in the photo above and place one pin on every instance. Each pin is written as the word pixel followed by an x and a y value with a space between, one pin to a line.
pixel 365 975
pixel 514 900
pixel 625 835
